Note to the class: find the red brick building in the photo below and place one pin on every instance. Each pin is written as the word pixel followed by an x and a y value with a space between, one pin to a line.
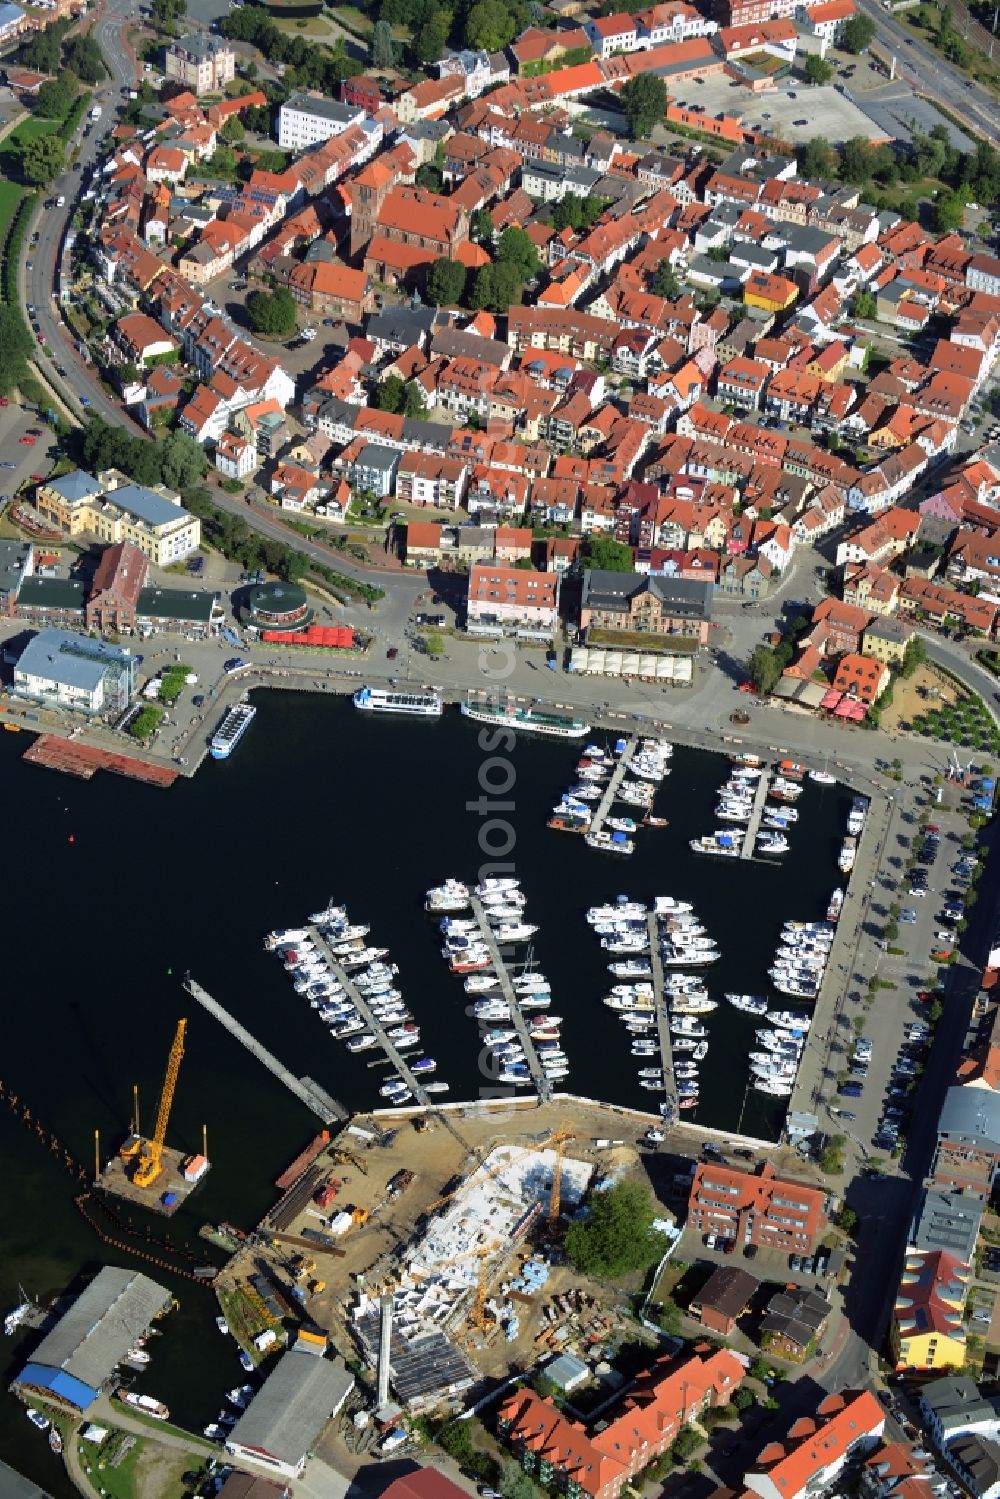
pixel 757 1208
pixel 597 1464
pixel 119 579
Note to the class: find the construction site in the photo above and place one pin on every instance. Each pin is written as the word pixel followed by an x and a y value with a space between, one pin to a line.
pixel 430 1246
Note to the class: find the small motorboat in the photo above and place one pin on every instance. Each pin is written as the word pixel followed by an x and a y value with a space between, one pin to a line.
pixel 222 1325
pixel 55 1440
pixel 37 1419
pixel 246 1362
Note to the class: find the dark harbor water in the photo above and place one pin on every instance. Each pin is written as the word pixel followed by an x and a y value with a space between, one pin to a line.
pixel 318 801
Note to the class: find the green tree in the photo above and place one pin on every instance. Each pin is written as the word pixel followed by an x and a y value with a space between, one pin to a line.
pixel 55 98
pixel 16 347
pixel 856 159
pixel 446 281
pixel 644 102
pixel 817 158
pixel 618 1235
pixel 222 163
pixel 182 461
pixel 482 226
pixel 517 249
pixel 515 1483
pixel 857 33
pixel 84 58
pixel 817 69
pixel 489 25
pixel 391 394
pixel 865 305
pixel 604 553
pixel 496 288
pixel 847 1219
pixel 413 401
pixel 44 50
pixel 949 212
pixel 764 668
pixel 383 47
pixel 432 38
pixel 233 130
pixel 42 159
pixel 272 313
pixel 665 282
pixel 916 655
pixel 166 13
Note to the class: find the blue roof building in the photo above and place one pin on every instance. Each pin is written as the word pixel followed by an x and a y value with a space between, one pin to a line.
pixel 78 1359
pixel 63 670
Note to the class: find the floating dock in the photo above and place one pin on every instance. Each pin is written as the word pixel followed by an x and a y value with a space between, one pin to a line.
pixel 393 1054
pixel 611 790
pixel 542 1083
pixel 308 1092
pixel 756 815
pixel 660 1010
pixel 84 761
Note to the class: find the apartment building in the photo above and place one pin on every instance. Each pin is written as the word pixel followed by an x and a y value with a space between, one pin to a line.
pixel 757 1207
pixel 305 119
pixel 501 597
pixel 203 64
pixel 115 510
pixel 809 1462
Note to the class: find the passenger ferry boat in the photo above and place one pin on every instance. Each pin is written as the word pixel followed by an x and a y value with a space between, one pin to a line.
pixel 231 730
pixel 378 700
pixel 527 720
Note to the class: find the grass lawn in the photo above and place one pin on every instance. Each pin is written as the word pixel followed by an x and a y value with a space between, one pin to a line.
pixel 117 1481
pixel 31 129
pixel 354 20
pixel 307 26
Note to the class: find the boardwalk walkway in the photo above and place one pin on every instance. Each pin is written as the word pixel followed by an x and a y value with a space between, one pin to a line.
pixel 310 1093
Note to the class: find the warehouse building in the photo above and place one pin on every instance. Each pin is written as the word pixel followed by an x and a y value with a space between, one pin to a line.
pixel 77 1361
pixel 284 1419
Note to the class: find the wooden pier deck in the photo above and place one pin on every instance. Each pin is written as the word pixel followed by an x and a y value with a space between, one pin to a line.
pixel 354 994
pixel 660 1010
pixel 611 790
pixel 310 1093
pixel 84 761
pixel 542 1083
pixel 753 826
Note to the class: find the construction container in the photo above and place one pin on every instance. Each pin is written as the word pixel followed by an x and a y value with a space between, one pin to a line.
pixel 195 1167
pixel 170 1199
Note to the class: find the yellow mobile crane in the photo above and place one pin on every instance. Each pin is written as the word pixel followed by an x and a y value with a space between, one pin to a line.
pixel 148 1152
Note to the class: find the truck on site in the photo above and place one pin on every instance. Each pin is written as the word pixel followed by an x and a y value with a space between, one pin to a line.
pixel 95 113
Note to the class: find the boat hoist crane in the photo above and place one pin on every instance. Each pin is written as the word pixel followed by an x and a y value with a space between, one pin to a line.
pixel 147 1153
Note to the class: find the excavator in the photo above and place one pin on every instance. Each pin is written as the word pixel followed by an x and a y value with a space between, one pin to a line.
pixel 147 1153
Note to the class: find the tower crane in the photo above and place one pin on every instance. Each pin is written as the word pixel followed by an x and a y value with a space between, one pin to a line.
pixel 559 1140
pixel 150 1151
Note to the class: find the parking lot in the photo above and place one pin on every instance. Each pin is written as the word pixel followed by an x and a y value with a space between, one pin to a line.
pixel 881 1063
pixel 793 113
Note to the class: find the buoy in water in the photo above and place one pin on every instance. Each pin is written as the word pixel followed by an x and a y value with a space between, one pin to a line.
pixel 71 838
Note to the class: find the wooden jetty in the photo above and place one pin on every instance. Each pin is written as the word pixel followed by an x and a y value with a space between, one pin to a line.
pixel 757 813
pixel 660 1011
pixel 611 790
pixel 542 1083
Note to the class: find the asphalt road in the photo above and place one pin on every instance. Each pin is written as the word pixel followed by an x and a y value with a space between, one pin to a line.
pixel 927 72
pixel 38 285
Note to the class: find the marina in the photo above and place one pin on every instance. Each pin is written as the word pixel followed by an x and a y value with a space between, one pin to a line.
pixel 611 789
pixel 371 1020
